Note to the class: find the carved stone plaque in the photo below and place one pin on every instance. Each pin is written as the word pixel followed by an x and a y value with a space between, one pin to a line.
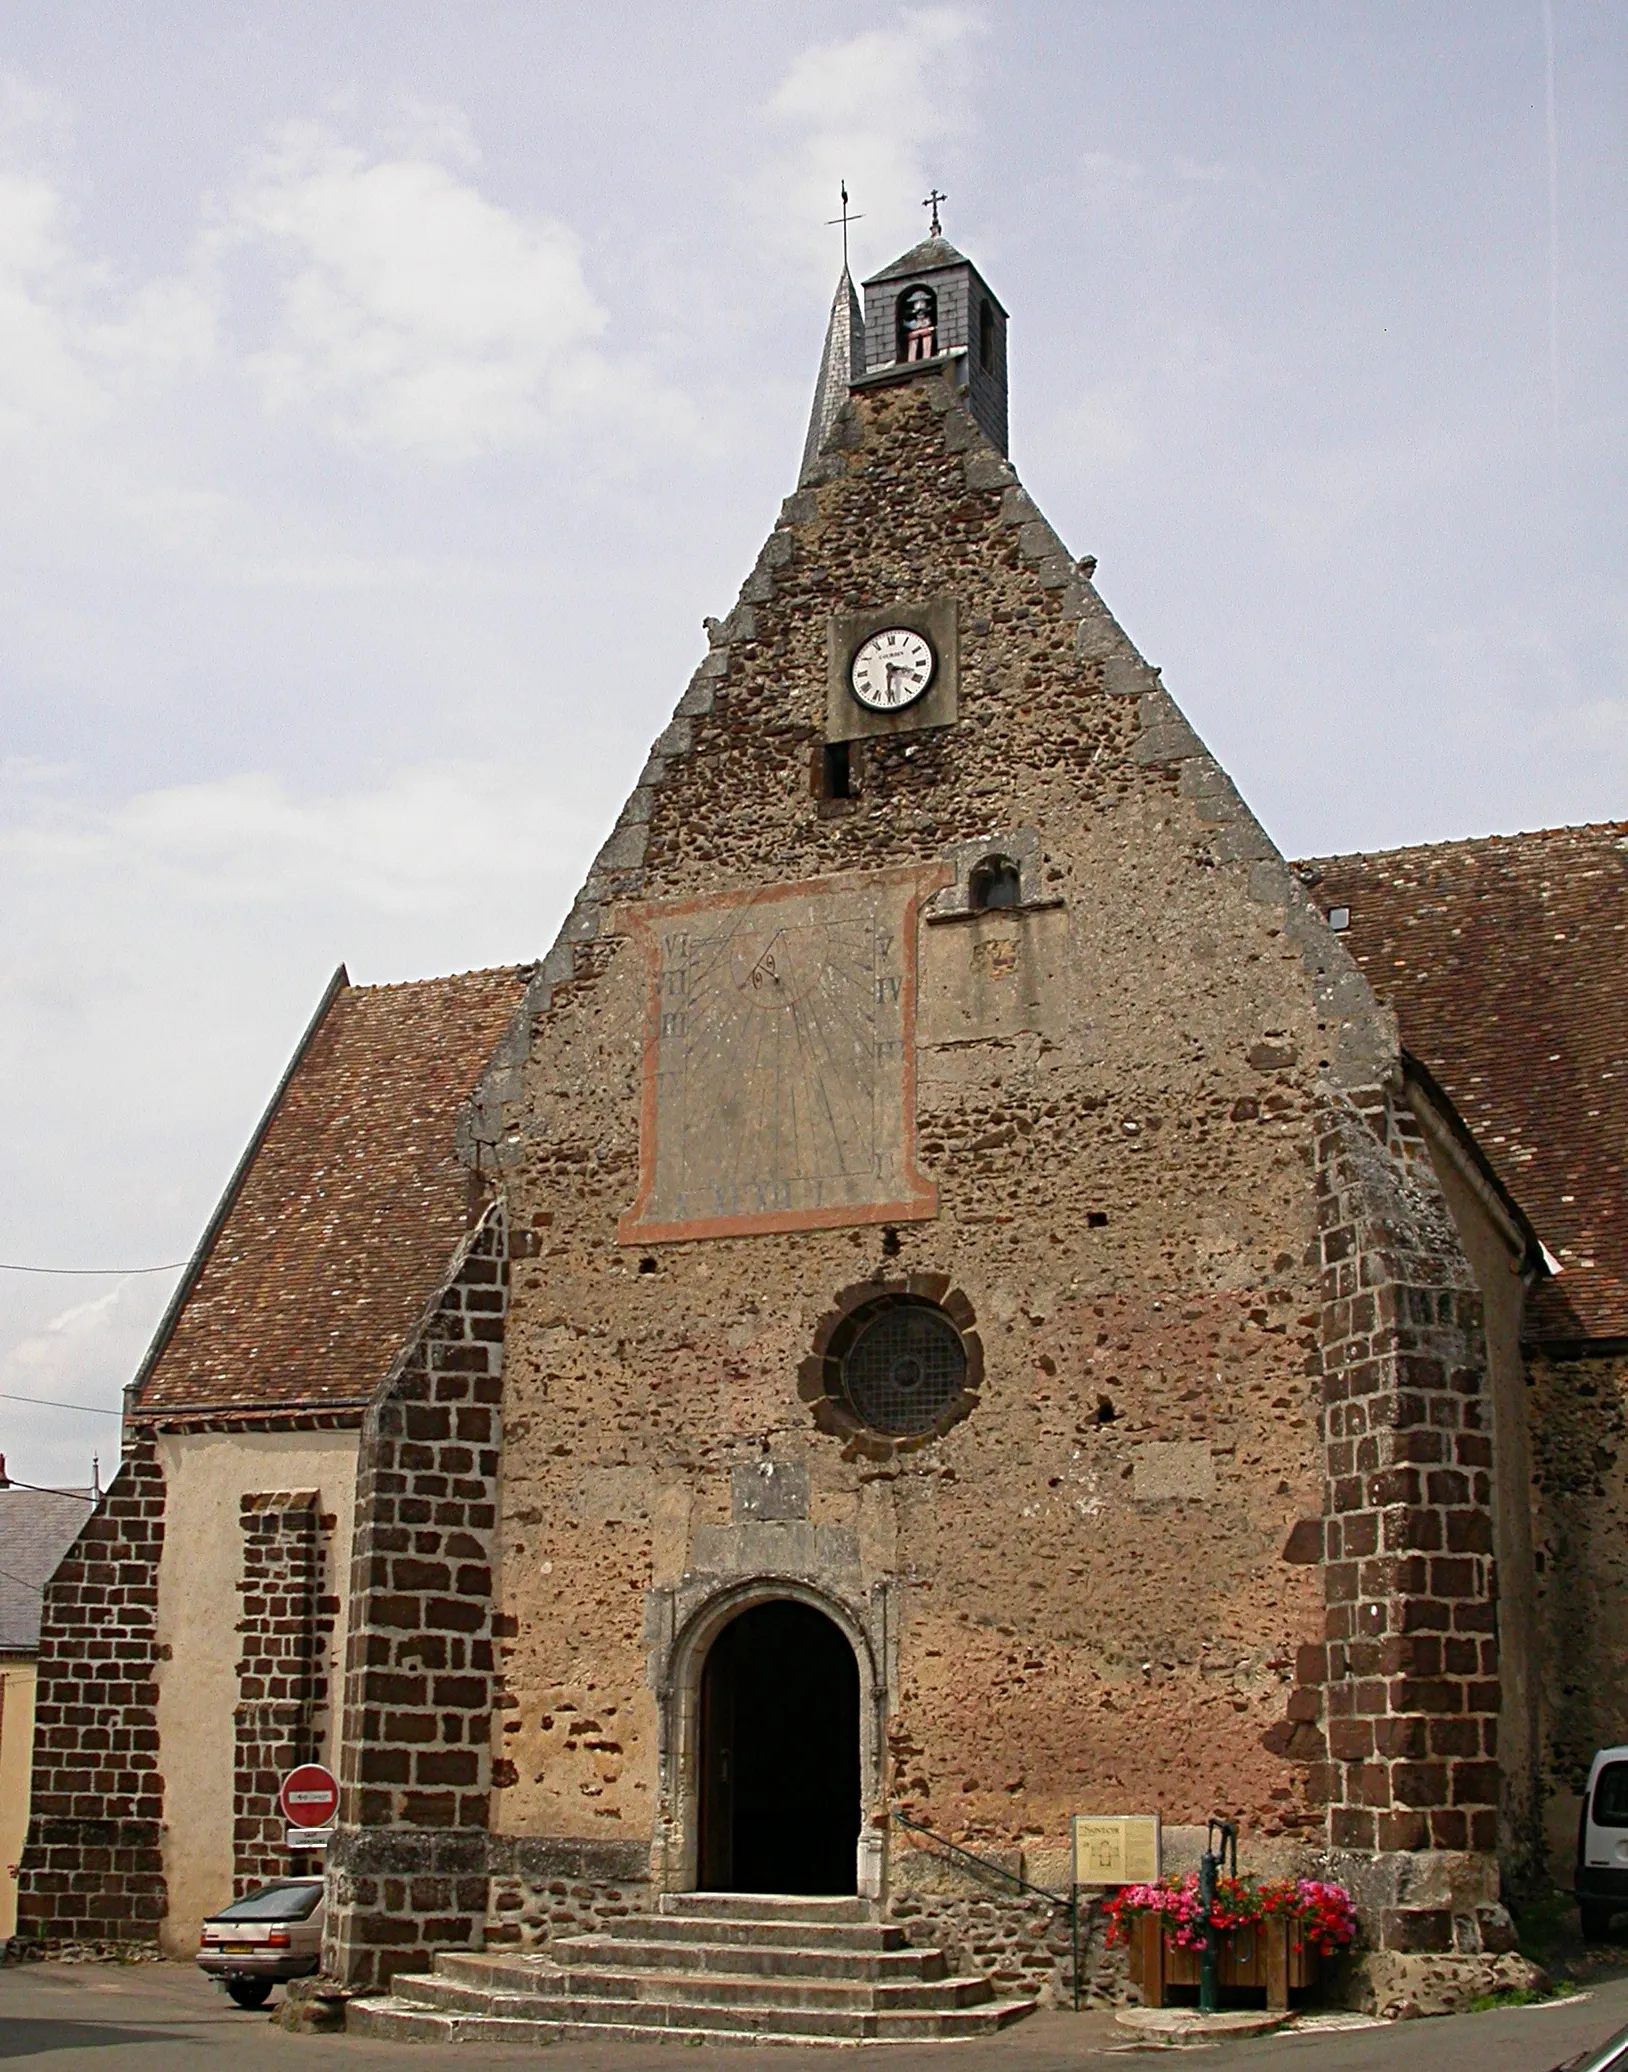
pixel 779 1059
pixel 993 974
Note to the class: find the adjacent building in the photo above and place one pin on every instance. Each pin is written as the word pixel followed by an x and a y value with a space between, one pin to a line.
pixel 37 1527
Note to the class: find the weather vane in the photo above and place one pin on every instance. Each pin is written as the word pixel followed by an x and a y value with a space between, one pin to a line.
pixel 932 203
pixel 845 219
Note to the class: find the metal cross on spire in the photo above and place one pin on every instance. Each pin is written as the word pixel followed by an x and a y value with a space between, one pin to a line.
pixel 845 219
pixel 932 203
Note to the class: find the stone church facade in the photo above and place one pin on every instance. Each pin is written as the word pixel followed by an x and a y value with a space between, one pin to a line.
pixel 941 1304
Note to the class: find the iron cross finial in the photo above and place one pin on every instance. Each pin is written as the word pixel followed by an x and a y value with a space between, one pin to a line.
pixel 845 219
pixel 932 203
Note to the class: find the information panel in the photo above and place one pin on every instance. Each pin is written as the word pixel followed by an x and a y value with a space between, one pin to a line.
pixel 1116 1848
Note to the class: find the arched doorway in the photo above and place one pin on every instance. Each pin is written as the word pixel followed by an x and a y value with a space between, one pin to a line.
pixel 779 1754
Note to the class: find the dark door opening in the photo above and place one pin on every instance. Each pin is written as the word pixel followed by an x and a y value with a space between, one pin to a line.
pixel 779 1754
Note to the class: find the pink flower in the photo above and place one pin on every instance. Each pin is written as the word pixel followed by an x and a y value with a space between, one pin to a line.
pixel 1322 1913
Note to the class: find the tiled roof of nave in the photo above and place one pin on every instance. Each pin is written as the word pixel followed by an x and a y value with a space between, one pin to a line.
pixel 351 1209
pixel 1506 961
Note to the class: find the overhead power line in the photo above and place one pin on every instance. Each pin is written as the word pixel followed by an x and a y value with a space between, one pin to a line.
pixel 39 1488
pixel 55 1403
pixel 84 1272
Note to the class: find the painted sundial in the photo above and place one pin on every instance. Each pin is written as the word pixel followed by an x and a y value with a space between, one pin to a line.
pixel 779 1059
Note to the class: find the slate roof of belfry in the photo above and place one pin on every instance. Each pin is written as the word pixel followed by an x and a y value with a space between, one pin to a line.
pixel 1506 961
pixel 351 1209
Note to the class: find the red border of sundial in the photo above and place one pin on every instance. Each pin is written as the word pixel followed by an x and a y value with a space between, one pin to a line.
pixel 638 919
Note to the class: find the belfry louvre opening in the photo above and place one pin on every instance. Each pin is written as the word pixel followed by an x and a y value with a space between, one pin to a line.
pixel 900 1364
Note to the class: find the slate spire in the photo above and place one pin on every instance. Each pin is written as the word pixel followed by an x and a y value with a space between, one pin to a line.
pixel 842 361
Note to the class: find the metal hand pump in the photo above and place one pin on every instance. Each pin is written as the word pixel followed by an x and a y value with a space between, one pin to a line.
pixel 1210 1865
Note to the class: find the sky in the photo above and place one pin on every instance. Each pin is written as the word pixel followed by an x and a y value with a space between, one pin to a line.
pixel 387 392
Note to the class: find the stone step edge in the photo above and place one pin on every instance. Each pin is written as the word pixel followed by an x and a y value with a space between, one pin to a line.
pixel 616 1951
pixel 710 1960
pixel 719 1928
pixel 771 1905
pixel 679 1988
pixel 449 2028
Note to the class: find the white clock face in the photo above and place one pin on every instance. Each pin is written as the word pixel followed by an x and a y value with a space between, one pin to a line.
pixel 892 669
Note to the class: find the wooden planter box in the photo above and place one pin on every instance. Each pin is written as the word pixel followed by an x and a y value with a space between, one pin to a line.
pixel 1268 1954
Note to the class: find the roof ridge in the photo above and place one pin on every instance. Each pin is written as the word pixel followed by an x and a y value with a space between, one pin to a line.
pixel 521 969
pixel 1523 834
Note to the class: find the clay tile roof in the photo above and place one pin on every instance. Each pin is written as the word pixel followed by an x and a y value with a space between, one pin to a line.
pixel 1506 961
pixel 353 1199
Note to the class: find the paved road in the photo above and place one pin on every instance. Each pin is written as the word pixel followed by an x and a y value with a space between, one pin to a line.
pixel 168 2018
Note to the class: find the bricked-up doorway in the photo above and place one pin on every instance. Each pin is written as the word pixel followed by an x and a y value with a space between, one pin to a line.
pixel 779 1754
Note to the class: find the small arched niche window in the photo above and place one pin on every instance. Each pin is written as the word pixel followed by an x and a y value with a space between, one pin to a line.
pixel 986 335
pixel 918 324
pixel 996 882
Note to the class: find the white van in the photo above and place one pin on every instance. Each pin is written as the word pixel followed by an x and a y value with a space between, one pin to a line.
pixel 1602 1844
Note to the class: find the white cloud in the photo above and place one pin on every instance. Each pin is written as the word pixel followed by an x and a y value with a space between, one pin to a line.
pixel 878 110
pixel 422 842
pixel 45 379
pixel 68 1369
pixel 408 311
pixel 162 954
pixel 420 314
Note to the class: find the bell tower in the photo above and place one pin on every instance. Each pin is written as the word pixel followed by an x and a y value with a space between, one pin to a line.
pixel 932 308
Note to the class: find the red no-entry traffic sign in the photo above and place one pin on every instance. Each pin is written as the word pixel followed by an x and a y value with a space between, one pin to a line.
pixel 309 1796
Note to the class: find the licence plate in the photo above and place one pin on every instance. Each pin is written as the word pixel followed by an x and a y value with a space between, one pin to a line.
pixel 239 1949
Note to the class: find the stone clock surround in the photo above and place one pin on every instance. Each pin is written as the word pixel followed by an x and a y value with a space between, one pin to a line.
pixel 937 621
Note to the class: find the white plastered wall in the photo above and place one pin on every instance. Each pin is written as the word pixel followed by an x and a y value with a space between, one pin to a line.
pixel 205 1475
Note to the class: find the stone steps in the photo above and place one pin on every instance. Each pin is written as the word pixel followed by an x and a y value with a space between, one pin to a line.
pixel 863 1938
pixel 791 1961
pixel 763 1907
pixel 695 1988
pixel 706 1967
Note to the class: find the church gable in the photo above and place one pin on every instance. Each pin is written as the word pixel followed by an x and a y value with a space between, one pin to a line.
pixel 935 971
pixel 959 1327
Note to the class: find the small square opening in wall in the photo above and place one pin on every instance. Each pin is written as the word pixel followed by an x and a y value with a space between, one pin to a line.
pixel 1339 919
pixel 837 772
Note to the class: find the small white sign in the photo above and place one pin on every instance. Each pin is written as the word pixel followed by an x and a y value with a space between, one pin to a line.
pixel 307 1837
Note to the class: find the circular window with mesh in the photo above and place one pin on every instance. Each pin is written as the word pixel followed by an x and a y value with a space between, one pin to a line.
pixel 900 1364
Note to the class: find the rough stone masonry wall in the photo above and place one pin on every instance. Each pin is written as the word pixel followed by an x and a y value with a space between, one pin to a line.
pixel 407 1868
pixel 1579 1424
pixel 1024 1943
pixel 1396 1714
pixel 542 1891
pixel 286 1627
pixel 1085 1608
pixel 92 1871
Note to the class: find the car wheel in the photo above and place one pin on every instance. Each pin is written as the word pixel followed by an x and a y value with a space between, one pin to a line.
pixel 1596 1922
pixel 249 1992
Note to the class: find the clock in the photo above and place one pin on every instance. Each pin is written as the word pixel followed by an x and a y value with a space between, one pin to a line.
pixel 892 669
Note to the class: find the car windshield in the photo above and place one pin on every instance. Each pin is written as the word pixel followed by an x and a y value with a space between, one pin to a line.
pixel 1610 2056
pixel 283 1902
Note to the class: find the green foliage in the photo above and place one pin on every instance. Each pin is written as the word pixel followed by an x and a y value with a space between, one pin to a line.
pixel 1545 1925
pixel 1520 1996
